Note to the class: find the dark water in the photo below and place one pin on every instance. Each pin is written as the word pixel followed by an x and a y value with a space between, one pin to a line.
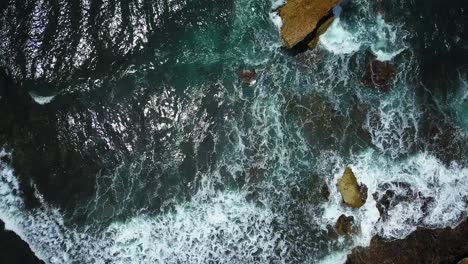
pixel 129 136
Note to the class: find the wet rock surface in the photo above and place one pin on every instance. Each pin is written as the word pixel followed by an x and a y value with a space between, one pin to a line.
pixel 305 20
pixel 444 245
pixel 13 250
pixel 344 225
pixel 354 195
pixel 248 76
pixel 389 195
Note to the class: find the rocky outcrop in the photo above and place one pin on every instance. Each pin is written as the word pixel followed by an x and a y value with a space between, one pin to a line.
pixel 326 128
pixel 304 21
pixel 13 250
pixel 344 225
pixel 423 246
pixel 354 195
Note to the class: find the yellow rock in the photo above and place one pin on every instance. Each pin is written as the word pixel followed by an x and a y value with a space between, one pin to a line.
pixel 350 190
pixel 301 17
pixel 320 31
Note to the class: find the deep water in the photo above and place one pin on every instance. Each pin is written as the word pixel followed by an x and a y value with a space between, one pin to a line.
pixel 128 136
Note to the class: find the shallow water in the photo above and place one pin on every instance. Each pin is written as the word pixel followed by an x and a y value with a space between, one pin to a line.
pixel 197 167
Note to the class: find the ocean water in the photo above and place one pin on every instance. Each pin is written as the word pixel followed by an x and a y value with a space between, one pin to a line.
pixel 198 167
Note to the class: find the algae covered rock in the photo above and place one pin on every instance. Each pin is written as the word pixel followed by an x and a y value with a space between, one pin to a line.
pixel 353 194
pixel 305 20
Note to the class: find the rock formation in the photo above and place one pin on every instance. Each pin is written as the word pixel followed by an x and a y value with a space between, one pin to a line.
pixel 248 76
pixel 13 250
pixel 353 194
pixel 344 225
pixel 423 246
pixel 304 21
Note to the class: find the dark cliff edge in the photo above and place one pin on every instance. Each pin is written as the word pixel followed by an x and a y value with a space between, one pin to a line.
pixel 13 250
pixel 444 245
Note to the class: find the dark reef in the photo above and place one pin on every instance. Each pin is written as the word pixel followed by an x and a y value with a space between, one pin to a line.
pixel 13 250
pixel 444 245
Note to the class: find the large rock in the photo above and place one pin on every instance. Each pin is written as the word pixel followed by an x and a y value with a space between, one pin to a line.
pixel 305 20
pixel 13 250
pixel 353 194
pixel 423 246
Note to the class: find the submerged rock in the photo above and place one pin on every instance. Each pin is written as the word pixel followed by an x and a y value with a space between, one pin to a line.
pixel 443 245
pixel 325 192
pixel 379 74
pixel 353 194
pixel 344 225
pixel 248 76
pixel 304 20
pixel 389 195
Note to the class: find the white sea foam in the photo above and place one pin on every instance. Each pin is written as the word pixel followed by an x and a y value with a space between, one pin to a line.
pixel 384 40
pixel 214 226
pixel 42 100
pixel 274 15
pixel 338 40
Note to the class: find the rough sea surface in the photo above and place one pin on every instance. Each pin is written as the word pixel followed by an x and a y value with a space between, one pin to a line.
pixel 136 141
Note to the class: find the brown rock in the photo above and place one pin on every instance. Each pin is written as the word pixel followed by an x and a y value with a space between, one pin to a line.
pixel 389 195
pixel 379 74
pixel 248 76
pixel 424 246
pixel 301 18
pixel 344 225
pixel 353 195
pixel 325 192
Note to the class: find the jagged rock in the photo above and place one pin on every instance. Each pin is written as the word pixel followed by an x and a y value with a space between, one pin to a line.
pixel 13 250
pixel 379 74
pixel 444 245
pixel 388 195
pixel 353 194
pixel 344 225
pixel 248 76
pixel 305 20
pixel 325 192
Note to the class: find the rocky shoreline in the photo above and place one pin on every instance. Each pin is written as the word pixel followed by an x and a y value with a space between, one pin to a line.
pixel 443 245
pixel 13 250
